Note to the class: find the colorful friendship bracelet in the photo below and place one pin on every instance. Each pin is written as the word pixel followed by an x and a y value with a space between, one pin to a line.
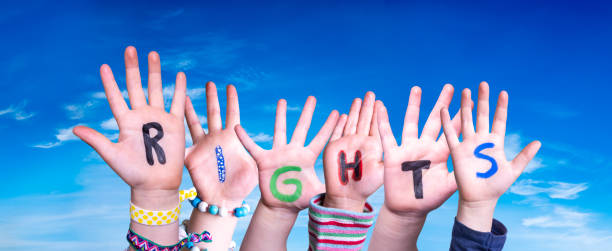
pixel 221 211
pixel 183 234
pixel 143 244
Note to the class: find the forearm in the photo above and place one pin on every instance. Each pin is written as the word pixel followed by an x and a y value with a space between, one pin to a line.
pixel 269 228
pixel 396 231
pixel 220 228
pixel 154 201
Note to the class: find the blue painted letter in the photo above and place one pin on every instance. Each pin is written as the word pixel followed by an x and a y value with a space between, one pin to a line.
pixel 220 163
pixel 493 168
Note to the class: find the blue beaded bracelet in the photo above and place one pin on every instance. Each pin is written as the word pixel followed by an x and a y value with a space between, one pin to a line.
pixel 221 211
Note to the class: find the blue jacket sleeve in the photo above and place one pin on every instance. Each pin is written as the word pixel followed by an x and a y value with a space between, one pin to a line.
pixel 466 239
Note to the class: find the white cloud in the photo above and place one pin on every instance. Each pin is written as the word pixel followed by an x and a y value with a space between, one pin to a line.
pixel 63 134
pixel 17 111
pixel 512 146
pixel 561 217
pixel 109 124
pixel 554 189
pixel 102 95
pixel 78 111
pixel 261 137
pixel 247 78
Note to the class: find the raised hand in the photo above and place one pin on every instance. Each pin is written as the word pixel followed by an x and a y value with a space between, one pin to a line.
pixel 353 158
pixel 150 151
pixel 482 172
pixel 416 178
pixel 287 176
pixel 222 171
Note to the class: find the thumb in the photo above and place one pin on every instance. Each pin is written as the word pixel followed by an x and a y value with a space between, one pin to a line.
pixel 96 140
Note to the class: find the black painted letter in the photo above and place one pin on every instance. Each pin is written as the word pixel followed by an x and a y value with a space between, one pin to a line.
pixel 417 174
pixel 151 143
pixel 344 167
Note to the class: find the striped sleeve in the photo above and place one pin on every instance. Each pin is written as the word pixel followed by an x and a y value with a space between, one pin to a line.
pixel 335 229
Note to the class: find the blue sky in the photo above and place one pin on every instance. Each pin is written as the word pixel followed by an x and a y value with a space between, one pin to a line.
pixel 552 58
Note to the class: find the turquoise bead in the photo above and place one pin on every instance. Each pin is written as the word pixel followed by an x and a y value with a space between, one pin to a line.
pixel 240 212
pixel 195 202
pixel 212 209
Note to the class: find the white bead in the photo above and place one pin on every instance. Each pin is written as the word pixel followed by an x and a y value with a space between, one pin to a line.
pixel 248 208
pixel 232 244
pixel 202 206
pixel 194 248
pixel 222 211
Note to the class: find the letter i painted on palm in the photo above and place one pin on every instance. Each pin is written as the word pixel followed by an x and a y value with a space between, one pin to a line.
pixel 220 163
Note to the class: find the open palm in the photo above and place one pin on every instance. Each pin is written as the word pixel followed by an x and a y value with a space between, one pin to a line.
pixel 287 175
pixel 358 136
pixel 128 157
pixel 482 172
pixel 204 162
pixel 416 176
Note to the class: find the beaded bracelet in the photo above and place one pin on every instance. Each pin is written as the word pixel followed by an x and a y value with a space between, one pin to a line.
pixel 143 244
pixel 221 211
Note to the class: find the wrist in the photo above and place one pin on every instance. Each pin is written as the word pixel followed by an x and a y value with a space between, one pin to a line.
pixel 477 215
pixel 155 199
pixel 280 212
pixel 405 216
pixel 344 203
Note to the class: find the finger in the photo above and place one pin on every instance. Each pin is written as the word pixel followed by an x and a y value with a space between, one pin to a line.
pixel 386 134
pixel 178 100
pixel 132 72
pixel 482 114
pixel 501 114
pixel 374 124
pixel 522 159
pixel 156 97
pixel 113 94
pixel 467 125
pixel 353 117
pixel 433 123
pixel 233 110
pixel 301 129
pixel 456 122
pixel 247 142
pixel 411 119
pixel 193 122
pixel 101 144
pixel 212 108
pixel 280 126
pixel 339 127
pixel 365 114
pixel 449 131
pixel 317 144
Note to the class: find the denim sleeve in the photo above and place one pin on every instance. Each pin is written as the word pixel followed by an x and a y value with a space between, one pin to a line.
pixel 466 239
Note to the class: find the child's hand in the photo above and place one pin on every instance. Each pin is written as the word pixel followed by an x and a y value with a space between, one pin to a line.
pixel 150 152
pixel 482 172
pixel 353 158
pixel 222 171
pixel 287 176
pixel 416 176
